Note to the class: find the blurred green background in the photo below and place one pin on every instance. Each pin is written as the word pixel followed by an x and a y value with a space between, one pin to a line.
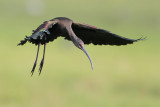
pixel 125 76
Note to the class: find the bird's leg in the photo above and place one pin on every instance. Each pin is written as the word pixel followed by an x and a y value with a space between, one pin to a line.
pixel 35 63
pixel 42 61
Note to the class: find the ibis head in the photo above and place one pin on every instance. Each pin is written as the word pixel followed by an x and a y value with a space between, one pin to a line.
pixel 78 33
pixel 79 44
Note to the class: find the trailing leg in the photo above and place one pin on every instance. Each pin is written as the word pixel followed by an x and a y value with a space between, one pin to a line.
pixel 35 63
pixel 42 61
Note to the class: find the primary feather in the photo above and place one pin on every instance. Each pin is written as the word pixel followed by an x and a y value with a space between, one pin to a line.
pixel 90 34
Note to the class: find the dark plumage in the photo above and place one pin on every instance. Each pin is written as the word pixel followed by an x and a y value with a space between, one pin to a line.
pixel 78 33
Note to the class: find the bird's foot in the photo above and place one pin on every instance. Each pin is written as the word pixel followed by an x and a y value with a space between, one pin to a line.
pixel 41 66
pixel 34 66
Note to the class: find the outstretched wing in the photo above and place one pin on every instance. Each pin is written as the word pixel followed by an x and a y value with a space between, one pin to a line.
pixel 45 28
pixel 43 34
pixel 90 34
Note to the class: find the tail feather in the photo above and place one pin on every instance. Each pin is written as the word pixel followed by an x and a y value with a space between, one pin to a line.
pixel 22 42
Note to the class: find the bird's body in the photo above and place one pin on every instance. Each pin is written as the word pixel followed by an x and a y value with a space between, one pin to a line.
pixel 78 33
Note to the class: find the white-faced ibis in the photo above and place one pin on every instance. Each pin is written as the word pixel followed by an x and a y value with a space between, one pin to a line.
pixel 78 33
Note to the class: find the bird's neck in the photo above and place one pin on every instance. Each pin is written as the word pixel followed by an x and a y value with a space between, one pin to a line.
pixel 72 35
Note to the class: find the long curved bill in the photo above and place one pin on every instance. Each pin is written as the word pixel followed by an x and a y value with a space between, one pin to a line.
pixel 84 50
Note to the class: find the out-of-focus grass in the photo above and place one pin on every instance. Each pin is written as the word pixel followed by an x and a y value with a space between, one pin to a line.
pixel 126 76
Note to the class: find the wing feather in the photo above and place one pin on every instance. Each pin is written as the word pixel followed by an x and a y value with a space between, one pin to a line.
pixel 40 36
pixel 90 34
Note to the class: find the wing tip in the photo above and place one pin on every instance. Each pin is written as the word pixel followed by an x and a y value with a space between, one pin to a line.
pixel 140 39
pixel 22 42
pixel 132 41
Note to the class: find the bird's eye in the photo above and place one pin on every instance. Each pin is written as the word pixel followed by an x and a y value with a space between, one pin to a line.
pixel 80 45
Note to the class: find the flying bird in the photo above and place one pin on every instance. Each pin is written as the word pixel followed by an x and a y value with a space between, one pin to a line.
pixel 78 33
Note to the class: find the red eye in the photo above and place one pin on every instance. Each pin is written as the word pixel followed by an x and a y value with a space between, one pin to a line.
pixel 80 45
